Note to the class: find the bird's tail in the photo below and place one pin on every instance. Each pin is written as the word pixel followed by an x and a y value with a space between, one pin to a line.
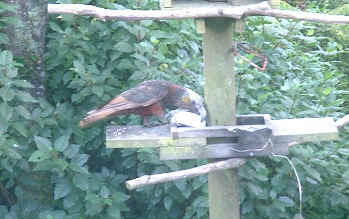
pixel 96 115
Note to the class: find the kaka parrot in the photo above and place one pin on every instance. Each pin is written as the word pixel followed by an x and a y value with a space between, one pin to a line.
pixel 149 98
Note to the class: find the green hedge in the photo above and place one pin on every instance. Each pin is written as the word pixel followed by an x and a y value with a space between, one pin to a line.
pixel 53 169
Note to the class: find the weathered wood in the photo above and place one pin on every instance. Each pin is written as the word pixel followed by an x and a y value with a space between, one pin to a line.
pixel 138 136
pixel 296 131
pixel 231 141
pixel 183 174
pixel 239 26
pixel 237 12
pixel 220 100
pixel 200 26
pixel 213 131
pixel 223 150
pixel 286 133
pixel 243 2
pixel 253 119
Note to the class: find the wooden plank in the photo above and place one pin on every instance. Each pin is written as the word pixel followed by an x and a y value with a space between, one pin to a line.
pixel 253 119
pixel 243 2
pixel 200 26
pixel 220 82
pixel 296 131
pixel 139 136
pixel 240 26
pixel 213 131
pixel 223 150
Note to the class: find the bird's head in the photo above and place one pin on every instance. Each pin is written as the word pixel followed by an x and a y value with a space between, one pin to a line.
pixel 194 103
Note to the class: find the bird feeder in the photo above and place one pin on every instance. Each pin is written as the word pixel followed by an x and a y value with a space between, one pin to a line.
pixel 253 135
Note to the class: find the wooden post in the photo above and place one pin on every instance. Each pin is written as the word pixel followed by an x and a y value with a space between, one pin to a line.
pixel 220 100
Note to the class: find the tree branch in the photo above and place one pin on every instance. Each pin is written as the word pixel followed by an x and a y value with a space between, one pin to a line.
pixel 183 174
pixel 300 15
pixel 237 12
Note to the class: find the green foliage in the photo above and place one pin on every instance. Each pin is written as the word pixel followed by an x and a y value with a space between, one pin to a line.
pixel 53 169
pixel 302 80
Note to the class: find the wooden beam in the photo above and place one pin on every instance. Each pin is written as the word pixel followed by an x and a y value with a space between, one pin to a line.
pixel 296 131
pixel 138 136
pixel 200 26
pixel 220 82
pixel 223 150
pixel 212 131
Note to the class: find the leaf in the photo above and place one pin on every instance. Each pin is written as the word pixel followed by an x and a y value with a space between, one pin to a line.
pixel 43 144
pixel 55 27
pixel 80 159
pixel 70 200
pixel 3 210
pixel 81 181
pixel 79 67
pixel 5 111
pixel 313 173
pixel 57 165
pixel 124 47
pixel 3 38
pixel 120 197
pixel 200 202
pixel 6 57
pixel 98 90
pixel 23 112
pixel 39 156
pixel 72 150
pixel 7 94
pixel 168 202
pixel 62 143
pixel 22 84
pixel 287 201
pixel 93 198
pixel 74 167
pixel 344 151
pixel 12 153
pixel 114 212
pixel 104 193
pixel 25 97
pixel 50 214
pixel 62 189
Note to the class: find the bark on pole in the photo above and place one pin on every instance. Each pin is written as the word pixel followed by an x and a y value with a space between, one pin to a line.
pixel 220 100
pixel 27 40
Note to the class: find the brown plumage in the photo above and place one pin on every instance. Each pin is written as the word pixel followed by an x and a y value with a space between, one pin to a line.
pixel 149 98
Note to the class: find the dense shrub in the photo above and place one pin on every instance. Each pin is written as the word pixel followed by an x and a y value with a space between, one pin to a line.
pixel 52 169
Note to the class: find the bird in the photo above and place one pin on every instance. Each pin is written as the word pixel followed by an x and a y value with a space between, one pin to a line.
pixel 147 99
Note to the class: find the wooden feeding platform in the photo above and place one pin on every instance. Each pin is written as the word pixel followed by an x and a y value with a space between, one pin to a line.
pixel 254 135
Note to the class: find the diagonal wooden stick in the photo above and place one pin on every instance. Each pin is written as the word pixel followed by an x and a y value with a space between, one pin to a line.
pixel 183 174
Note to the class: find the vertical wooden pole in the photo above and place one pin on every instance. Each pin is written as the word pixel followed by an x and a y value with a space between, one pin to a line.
pixel 220 100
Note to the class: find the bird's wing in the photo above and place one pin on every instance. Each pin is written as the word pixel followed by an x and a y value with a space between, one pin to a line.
pixel 141 96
